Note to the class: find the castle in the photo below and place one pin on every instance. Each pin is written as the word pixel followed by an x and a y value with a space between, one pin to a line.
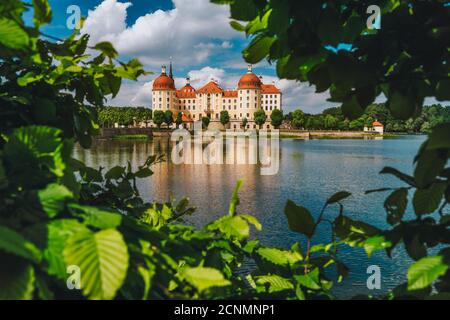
pixel 251 95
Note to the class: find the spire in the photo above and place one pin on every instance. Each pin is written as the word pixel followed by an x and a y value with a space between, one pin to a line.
pixel 188 81
pixel 170 69
pixel 163 69
pixel 249 68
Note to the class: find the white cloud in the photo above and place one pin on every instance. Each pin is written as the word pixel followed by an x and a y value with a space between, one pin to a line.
pixel 190 33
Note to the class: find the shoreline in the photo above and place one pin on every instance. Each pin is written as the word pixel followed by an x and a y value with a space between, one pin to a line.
pixel 124 134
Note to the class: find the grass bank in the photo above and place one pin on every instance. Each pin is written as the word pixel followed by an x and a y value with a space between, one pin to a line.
pixel 130 137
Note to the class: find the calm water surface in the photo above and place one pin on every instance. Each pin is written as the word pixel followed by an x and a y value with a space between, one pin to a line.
pixel 310 171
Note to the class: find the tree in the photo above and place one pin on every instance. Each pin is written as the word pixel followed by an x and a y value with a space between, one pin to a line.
pixel 168 118
pixel 276 118
pixel 224 117
pixel 298 119
pixel 244 123
pixel 356 124
pixel 330 122
pixel 179 119
pixel 259 117
pixel 159 118
pixel 205 122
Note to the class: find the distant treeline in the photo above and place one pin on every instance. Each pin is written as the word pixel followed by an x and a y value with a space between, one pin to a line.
pixel 125 116
pixel 329 119
pixel 333 119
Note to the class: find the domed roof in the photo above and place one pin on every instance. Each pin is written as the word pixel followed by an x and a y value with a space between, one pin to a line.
pixel 163 82
pixel 249 80
pixel 377 124
pixel 187 91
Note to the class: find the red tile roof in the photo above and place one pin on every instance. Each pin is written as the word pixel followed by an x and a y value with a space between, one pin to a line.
pixel 230 93
pixel 377 124
pixel 186 118
pixel 269 88
pixel 210 87
pixel 186 92
pixel 249 81
pixel 163 82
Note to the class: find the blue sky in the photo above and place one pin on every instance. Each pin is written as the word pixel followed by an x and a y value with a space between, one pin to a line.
pixel 195 33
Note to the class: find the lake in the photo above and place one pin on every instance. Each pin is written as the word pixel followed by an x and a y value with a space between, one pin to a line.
pixel 310 171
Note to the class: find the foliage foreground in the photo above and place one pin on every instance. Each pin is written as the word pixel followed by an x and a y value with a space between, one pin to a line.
pixel 56 213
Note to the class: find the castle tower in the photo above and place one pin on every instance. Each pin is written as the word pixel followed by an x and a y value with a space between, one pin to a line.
pixel 249 94
pixel 164 93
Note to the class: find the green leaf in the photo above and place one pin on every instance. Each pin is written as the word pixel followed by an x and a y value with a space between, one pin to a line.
pixel 351 108
pixel 415 248
pixel 107 49
pixel 237 26
pixel 115 173
pixel 258 49
pixel 51 239
pixel 16 278
pixel 97 217
pixel 278 256
pixel 309 280
pixel 252 220
pixel 404 177
pixel 279 18
pixel 395 205
pixel 232 227
pixel 430 163
pixel 428 200
pixel 443 90
pixel 28 78
pixel 338 196
pixel 423 272
pixel 258 24
pixel 235 199
pixel 35 148
pixel 143 173
pixel 329 28
pixel 438 138
pixel 42 12
pixel 401 106
pixel 12 35
pixel 244 10
pixel 103 260
pixel 274 283
pixel 204 278
pixel 299 219
pixel 53 198
pixel 15 243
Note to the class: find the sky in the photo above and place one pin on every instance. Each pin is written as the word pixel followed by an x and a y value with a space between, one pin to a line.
pixel 195 33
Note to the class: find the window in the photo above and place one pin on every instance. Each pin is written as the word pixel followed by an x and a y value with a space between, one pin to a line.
pixel 248 115
pixel 248 105
pixel 248 91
